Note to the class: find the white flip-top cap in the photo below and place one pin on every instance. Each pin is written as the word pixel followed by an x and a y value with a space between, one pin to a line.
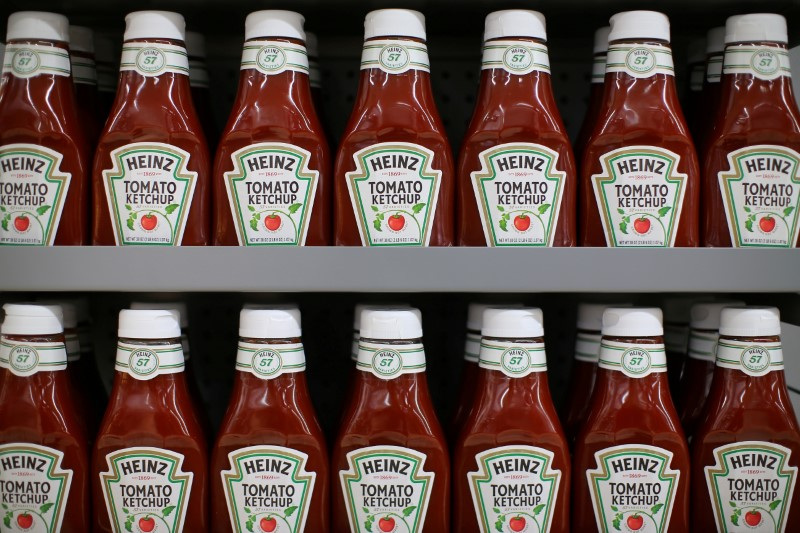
pixel 391 323
pixel 195 44
pixel 715 40
pixel 359 308
pixel 69 312
pixel 180 307
pixel 756 27
pixel 590 315
pixel 312 44
pixel 475 313
pixel 515 23
pixel 705 315
pixel 154 25
pixel 751 321
pixel 275 323
pixel 601 40
pixel 639 25
pixel 274 23
pixel 391 22
pixel 81 39
pixel 38 25
pixel 149 324
pixel 632 322
pixel 513 323
pixel 30 319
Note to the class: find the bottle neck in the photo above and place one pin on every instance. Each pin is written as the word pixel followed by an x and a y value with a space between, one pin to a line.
pixel 756 72
pixel 148 363
pixel 632 365
pixel 39 71
pixel 753 366
pixel 32 366
pixel 268 366
pixel 391 369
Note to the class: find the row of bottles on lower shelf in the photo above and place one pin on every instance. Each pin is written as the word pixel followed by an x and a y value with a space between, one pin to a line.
pixel 621 463
pixel 149 175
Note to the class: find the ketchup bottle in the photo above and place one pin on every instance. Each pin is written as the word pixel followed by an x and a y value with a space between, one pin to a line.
pixel 512 443
pixel 151 165
pixel 44 460
pixel 584 366
pixel 150 460
pixel 390 458
pixel 2 79
pixel 43 150
pixel 200 82
pixel 84 75
pixel 394 168
pixel 631 462
pixel 107 73
pixel 271 175
pixel 745 454
pixel 516 171
pixel 698 368
pixel 677 312
pixel 752 163
pixel 712 88
pixel 639 176
pixel 270 442
pixel 600 50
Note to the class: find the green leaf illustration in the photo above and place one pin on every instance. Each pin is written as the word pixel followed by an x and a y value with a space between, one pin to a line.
pixel 735 519
pixel 42 210
pixel 129 524
pixel 171 208
pixel 503 224
pixel 500 208
pixel 614 508
pixel 250 522
pixel 774 505
pixel 496 510
pixel 2 209
pixel 128 207
pixel 377 224
pixel 251 208
pixel 4 223
pixel 746 209
pixel 4 506
pixel 46 507
pixel 663 211
pixel 130 223
pixel 375 208
pixel 543 208
pixel 732 504
pixel 290 511
pixel 788 211
pixel 623 227
pixel 247 510
pixel 368 526
pixel 620 211
pixel 408 510
pixel 7 520
pixel 656 508
pixel 417 208
pixel 294 207
pixel 254 224
pixel 748 224
pixel 538 509
pixel 381 216
pixel 365 509
pixel 498 526
pixel 168 511
pixel 616 522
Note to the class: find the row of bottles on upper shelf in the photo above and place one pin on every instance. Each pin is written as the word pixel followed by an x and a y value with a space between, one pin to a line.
pixel 634 178
pixel 149 468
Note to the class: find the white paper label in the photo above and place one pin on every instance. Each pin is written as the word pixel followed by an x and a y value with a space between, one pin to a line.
pixel 154 59
pixel 763 62
pixel 388 361
pixel 394 192
pixel 633 488
pixel 640 196
pixel 33 191
pixel 145 489
pixel 751 486
pixel 395 56
pixel 761 195
pixel 587 347
pixel 84 70
pixel 472 346
pixel 144 362
pixel 515 360
pixel 753 359
pixel 703 345
pixel 633 360
pixel 271 194
pixel 514 489
pixel 274 57
pixel 34 488
pixel 25 359
pixel 599 68
pixel 518 191
pixel 516 57
pixel 268 489
pixel 149 191
pixel 386 488
pixel 268 361
pixel 29 60
pixel 640 60
pixel 714 68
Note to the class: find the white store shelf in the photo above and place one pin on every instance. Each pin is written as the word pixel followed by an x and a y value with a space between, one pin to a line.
pixel 344 269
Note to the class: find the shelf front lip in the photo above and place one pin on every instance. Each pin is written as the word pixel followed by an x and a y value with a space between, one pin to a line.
pixel 353 269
